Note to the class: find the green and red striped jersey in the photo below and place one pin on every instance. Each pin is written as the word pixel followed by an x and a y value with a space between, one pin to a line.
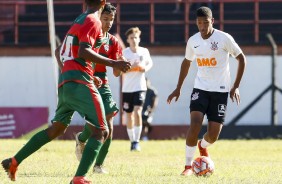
pixel 86 29
pixel 110 49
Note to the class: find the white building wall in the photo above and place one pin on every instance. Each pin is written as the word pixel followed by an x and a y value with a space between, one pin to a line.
pixel 29 82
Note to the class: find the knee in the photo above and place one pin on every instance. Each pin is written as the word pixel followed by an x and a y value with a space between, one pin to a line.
pixel 110 132
pixel 55 130
pixel 138 110
pixel 99 134
pixel 106 134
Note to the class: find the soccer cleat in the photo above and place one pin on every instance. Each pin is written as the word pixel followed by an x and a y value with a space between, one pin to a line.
pixel 145 138
pixel 132 146
pixel 203 151
pixel 11 166
pixel 187 171
pixel 79 147
pixel 135 146
pixel 80 180
pixel 99 170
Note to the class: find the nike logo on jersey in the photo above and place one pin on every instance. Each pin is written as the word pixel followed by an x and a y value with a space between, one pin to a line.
pixel 196 46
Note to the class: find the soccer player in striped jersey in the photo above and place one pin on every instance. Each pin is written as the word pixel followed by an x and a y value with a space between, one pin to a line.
pixel 110 49
pixel 211 49
pixel 76 92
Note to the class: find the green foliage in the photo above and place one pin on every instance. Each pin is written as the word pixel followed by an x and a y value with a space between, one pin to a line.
pixel 159 162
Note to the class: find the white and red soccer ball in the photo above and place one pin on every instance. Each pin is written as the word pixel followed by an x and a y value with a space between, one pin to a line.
pixel 203 166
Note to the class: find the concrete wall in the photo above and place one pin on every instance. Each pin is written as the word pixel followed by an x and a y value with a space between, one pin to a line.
pixel 29 82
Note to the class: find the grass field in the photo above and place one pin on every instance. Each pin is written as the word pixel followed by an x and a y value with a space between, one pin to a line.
pixel 159 162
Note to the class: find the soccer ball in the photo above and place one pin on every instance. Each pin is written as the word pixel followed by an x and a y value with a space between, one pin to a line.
pixel 203 166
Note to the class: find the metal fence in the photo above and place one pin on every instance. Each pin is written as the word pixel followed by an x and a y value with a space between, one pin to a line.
pixel 161 21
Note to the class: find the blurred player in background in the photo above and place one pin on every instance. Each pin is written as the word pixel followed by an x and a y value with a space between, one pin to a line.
pixel 76 92
pixel 151 102
pixel 110 49
pixel 211 48
pixel 134 85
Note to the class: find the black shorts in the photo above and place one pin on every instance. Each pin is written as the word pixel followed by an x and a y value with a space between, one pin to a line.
pixel 133 99
pixel 213 104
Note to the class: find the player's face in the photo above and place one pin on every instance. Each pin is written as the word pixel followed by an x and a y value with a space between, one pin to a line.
pixel 133 39
pixel 107 20
pixel 205 26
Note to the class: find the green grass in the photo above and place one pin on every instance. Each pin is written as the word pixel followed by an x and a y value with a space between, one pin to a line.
pixel 159 162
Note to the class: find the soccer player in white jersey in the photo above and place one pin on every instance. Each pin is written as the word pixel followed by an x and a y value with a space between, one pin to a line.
pixel 134 85
pixel 210 48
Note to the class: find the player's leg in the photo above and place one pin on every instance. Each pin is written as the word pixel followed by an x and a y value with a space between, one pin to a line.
pixel 198 105
pixel 149 124
pixel 91 108
pixel 191 140
pixel 145 128
pixel 138 101
pixel 61 121
pixel 111 110
pixel 216 117
pixel 137 127
pixel 130 128
pixel 98 167
pixel 80 141
pixel 212 134
pixel 39 139
pixel 128 109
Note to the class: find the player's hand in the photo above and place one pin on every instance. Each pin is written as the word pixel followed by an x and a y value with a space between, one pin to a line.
pixel 116 71
pixel 97 82
pixel 234 94
pixel 141 68
pixel 123 66
pixel 137 66
pixel 175 94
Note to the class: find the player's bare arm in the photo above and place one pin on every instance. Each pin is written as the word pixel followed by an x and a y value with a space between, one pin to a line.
pixel 87 53
pixel 234 92
pixel 57 55
pixel 183 73
pixel 116 71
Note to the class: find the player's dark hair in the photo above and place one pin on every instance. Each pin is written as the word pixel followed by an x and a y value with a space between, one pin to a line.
pixel 133 30
pixel 204 12
pixel 109 8
pixel 92 2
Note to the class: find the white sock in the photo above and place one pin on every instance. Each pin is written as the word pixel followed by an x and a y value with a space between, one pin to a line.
pixel 137 130
pixel 190 151
pixel 131 134
pixel 204 143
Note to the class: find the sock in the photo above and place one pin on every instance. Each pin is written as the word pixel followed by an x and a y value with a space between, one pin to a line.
pixel 131 134
pixel 90 153
pixel 204 143
pixel 137 131
pixel 103 152
pixel 35 143
pixel 190 151
pixel 85 134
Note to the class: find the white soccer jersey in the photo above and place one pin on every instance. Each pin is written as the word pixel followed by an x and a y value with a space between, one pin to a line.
pixel 212 57
pixel 135 80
